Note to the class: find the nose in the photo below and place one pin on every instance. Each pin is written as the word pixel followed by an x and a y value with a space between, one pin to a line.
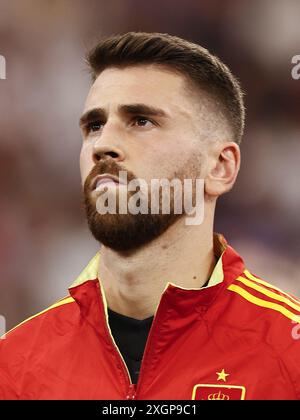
pixel 108 146
pixel 108 151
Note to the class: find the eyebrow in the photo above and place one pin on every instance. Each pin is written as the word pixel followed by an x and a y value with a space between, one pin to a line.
pixel 130 109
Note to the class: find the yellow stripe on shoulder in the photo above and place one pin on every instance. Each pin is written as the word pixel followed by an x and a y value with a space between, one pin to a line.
pixel 252 277
pixel 62 301
pixel 269 293
pixel 264 303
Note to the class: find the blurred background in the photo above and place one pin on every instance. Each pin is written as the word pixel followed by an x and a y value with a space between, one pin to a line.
pixel 44 240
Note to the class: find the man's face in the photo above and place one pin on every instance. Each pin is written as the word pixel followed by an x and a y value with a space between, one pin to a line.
pixel 147 124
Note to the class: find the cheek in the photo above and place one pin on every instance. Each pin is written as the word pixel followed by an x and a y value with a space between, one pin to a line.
pixel 164 164
pixel 86 163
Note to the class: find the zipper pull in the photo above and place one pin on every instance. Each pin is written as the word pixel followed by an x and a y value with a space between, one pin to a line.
pixel 131 392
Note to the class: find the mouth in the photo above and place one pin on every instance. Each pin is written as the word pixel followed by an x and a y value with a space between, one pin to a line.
pixel 104 180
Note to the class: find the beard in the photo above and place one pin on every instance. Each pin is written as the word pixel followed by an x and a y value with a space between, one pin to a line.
pixel 124 232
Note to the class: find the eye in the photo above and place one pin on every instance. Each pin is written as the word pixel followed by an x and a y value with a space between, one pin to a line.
pixel 142 121
pixel 94 126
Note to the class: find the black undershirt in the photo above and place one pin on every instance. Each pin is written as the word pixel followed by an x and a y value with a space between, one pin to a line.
pixel 130 336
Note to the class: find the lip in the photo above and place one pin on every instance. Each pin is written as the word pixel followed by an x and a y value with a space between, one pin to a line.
pixel 104 178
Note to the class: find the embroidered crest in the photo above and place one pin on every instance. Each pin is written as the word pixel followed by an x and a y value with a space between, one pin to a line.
pixel 218 392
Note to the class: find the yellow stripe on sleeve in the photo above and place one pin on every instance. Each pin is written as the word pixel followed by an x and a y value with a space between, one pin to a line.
pixel 64 301
pixel 269 293
pixel 252 277
pixel 264 303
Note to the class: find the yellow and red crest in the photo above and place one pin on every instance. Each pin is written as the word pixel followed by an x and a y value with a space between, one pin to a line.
pixel 218 392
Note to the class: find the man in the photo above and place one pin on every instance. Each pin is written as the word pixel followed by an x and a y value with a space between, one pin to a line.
pixel 166 309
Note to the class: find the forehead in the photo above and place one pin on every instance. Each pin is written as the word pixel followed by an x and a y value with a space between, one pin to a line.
pixel 151 84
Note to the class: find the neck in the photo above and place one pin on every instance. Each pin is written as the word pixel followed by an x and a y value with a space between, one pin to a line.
pixel 133 283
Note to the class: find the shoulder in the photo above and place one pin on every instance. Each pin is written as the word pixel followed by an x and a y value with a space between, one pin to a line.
pixel 260 296
pixel 58 311
pixel 272 315
pixel 22 347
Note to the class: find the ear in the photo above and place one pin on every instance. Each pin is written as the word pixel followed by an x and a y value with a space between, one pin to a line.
pixel 224 166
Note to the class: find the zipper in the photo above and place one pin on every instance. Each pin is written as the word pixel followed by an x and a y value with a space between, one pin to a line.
pixel 149 339
pixel 132 389
pixel 131 395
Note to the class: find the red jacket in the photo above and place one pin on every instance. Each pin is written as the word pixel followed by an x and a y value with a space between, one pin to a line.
pixel 235 339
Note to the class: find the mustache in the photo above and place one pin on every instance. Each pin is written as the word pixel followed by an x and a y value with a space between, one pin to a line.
pixel 106 166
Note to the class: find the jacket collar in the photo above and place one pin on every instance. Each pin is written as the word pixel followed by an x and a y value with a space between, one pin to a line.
pixel 178 310
pixel 90 272
pixel 229 265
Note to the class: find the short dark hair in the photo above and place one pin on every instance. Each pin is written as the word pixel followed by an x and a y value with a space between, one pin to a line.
pixel 191 60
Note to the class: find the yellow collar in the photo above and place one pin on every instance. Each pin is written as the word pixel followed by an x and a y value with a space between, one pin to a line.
pixel 91 270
